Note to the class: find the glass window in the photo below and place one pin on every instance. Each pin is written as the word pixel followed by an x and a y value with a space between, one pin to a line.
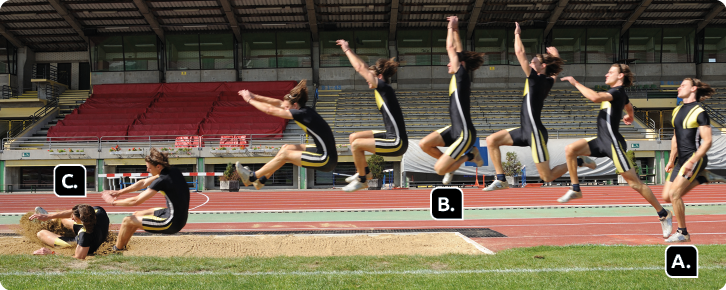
pixel 602 45
pixel 107 53
pixel 714 44
pixel 371 45
pixel 259 50
pixel 493 43
pixel 532 41
pixel 217 51
pixel 439 56
pixel 678 44
pixel 293 49
pixel 414 47
pixel 330 53
pixel 644 44
pixel 183 51
pixel 140 52
pixel 570 43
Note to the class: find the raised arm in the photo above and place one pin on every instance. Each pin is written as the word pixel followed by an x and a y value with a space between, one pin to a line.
pixel 520 52
pixel 589 93
pixel 451 43
pixel 265 107
pixel 358 64
pixel 263 99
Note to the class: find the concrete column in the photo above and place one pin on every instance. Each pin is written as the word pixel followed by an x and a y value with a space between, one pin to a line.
pixel 2 176
pixel 397 174
pixel 74 75
pixel 200 180
pixel 26 60
pixel 316 62
pixel 100 170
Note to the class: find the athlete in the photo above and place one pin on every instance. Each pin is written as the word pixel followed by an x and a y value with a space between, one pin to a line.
pixel 609 142
pixel 461 134
pixel 90 224
pixel 691 141
pixel 166 180
pixel 321 156
pixel 541 72
pixel 390 142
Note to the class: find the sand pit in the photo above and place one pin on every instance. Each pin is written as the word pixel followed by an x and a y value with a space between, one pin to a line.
pixel 427 244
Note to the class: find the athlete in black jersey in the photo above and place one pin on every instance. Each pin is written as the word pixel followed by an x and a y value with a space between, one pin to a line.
pixel 609 142
pixel 166 180
pixel 461 134
pixel 687 164
pixel 390 142
pixel 90 224
pixel 321 156
pixel 541 72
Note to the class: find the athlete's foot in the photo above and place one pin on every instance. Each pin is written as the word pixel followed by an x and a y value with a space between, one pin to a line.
pixel 355 185
pixel 350 179
pixel 678 238
pixel 40 210
pixel 496 185
pixel 571 194
pixel 447 178
pixel 244 173
pixel 587 162
pixel 258 184
pixel 714 177
pixel 666 223
pixel 477 157
pixel 115 249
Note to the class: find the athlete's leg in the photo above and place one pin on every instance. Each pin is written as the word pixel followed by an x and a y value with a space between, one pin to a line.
pixel 128 227
pixel 679 188
pixel 282 157
pixel 429 143
pixel 494 141
pixel 578 148
pixel 360 142
pixel 634 181
pixel 48 237
pixel 547 174
pixel 446 164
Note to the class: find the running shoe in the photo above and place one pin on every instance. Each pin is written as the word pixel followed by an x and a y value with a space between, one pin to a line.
pixel 350 179
pixel 587 162
pixel 40 210
pixel 447 178
pixel 355 185
pixel 571 194
pixel 244 173
pixel 477 157
pixel 666 223
pixel 678 238
pixel 496 185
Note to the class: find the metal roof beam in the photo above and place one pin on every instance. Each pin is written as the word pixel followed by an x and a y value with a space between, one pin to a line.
pixel 312 18
pixel 63 11
pixel 232 18
pixel 638 11
pixel 715 10
pixel 10 37
pixel 555 15
pixel 150 18
pixel 474 18
pixel 393 19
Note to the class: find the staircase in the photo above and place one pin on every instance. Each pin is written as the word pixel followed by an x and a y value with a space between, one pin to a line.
pixel 67 102
pixel 29 95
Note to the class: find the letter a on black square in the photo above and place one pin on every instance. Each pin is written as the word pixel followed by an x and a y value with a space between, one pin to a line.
pixel 681 261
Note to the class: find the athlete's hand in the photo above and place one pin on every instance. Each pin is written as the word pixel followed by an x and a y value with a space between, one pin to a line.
pixel 570 79
pixel 114 193
pixel 628 119
pixel 669 167
pixel 343 44
pixel 246 95
pixel 553 51
pixel 43 251
pixel 453 22
pixel 107 197
pixel 517 30
pixel 688 168
pixel 42 217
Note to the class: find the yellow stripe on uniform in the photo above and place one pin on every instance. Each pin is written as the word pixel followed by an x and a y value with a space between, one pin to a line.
pixel 675 113
pixel 605 105
pixel 153 217
pixel 157 228
pixel 691 120
pixel 443 129
pixel 388 150
pixel 452 85
pixel 379 99
pixel 535 155
pixel 58 243
pixel 544 146
pixel 314 164
pixel 616 160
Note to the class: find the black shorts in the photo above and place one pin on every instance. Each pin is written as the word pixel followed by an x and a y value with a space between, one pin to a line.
pixel 698 168
pixel 604 147
pixel 537 140
pixel 76 229
pixel 319 159
pixel 390 144
pixel 458 140
pixel 161 222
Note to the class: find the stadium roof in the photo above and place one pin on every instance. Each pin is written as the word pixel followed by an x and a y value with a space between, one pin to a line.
pixel 55 25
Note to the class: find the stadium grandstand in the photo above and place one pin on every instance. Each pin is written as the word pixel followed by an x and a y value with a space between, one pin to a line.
pixel 99 83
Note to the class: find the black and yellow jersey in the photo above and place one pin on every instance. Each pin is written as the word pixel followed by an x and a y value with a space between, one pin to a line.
pixel 394 140
pixel 174 187
pixel 687 118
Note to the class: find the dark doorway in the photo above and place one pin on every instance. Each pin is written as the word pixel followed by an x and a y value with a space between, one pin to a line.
pixel 42 71
pixel 84 76
pixel 64 74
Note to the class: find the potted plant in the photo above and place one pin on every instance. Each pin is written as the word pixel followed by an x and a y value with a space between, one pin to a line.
pixel 341 148
pixel 77 152
pixel 234 150
pixel 375 164
pixel 220 150
pixel 115 150
pixel 230 179
pixel 511 167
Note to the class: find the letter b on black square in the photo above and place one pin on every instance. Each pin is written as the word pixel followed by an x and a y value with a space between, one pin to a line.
pixel 681 261
pixel 447 203
pixel 69 180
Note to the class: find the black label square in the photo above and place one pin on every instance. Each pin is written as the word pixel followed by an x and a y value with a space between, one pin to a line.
pixel 69 180
pixel 447 203
pixel 681 261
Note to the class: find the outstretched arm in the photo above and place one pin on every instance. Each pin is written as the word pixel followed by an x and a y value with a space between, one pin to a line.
pixel 267 100
pixel 133 201
pixel 589 93
pixel 520 52
pixel 265 107
pixel 58 215
pixel 452 44
pixel 139 185
pixel 358 64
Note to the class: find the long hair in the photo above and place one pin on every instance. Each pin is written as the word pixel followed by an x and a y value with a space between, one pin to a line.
pixel 554 64
pixel 703 90
pixel 298 94
pixel 472 59
pixel 87 215
pixel 385 67
pixel 625 70
pixel 155 158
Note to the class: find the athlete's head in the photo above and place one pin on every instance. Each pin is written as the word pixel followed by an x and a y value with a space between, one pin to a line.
pixel 471 60
pixel 85 214
pixel 384 69
pixel 619 73
pixel 690 86
pixel 156 161
pixel 297 97
pixel 547 64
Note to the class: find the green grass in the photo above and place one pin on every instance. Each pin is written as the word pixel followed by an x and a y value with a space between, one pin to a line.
pixel 571 267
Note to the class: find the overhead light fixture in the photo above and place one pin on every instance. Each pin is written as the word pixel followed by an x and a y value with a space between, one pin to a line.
pixel 412 40
pixel 488 39
pixel 685 4
pixel 145 45
pixel 294 41
pixel 269 8
pixel 371 40
pixel 519 5
pixel 273 24
pixel 639 37
pixel 103 12
pixel 604 4
pixel 187 10
pixel 262 42
pixel 23 14
pixel 598 38
pixel 115 27
pixel 436 6
pixel 111 45
pixel 195 26
pixel 564 38
pixel 352 7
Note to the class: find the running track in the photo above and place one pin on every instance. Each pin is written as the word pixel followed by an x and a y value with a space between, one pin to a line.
pixel 706 229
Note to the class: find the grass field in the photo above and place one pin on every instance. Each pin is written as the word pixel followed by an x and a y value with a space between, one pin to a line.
pixel 544 267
